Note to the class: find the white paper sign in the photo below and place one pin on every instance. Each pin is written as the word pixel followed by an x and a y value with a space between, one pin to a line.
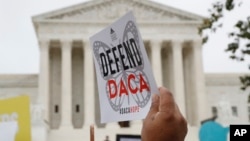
pixel 124 74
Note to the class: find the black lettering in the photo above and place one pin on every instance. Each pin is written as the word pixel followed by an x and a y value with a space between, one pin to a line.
pixel 122 57
pixel 104 64
pixel 129 54
pixel 116 59
pixel 134 47
pixel 110 62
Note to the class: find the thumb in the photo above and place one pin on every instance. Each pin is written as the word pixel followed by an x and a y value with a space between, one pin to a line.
pixel 154 105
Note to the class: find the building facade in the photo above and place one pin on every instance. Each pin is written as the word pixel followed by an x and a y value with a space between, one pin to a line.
pixel 64 94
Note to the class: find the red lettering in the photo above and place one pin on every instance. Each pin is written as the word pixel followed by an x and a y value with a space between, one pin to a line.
pixel 112 94
pixel 123 88
pixel 143 84
pixel 133 91
pixel 134 109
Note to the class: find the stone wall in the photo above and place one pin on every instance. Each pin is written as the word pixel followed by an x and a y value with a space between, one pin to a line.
pixel 14 85
pixel 225 96
pixel 26 84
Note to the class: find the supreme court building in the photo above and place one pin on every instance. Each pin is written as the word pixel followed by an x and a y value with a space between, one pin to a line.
pixel 64 95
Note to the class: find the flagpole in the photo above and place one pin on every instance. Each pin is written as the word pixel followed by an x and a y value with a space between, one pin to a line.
pixel 92 135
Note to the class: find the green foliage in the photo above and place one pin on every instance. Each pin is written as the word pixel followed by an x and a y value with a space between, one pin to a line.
pixel 209 23
pixel 239 46
pixel 245 80
pixel 229 4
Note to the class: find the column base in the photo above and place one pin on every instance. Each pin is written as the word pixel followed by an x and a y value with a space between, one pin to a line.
pixel 112 125
pixel 66 128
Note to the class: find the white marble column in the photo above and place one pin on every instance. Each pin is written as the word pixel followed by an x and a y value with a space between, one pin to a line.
pixel 178 77
pixel 66 46
pixel 156 46
pixel 202 109
pixel 89 95
pixel 43 96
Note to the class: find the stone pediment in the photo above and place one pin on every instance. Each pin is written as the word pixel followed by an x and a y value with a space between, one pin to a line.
pixel 105 10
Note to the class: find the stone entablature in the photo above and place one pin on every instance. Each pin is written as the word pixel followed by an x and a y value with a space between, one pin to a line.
pixel 61 31
pixel 104 10
pixel 81 21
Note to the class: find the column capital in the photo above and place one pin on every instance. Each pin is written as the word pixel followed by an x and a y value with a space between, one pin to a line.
pixel 44 43
pixel 177 44
pixel 44 40
pixel 86 45
pixel 66 44
pixel 156 43
pixel 197 43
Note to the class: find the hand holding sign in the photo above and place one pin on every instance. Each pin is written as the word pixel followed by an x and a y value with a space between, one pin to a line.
pixel 164 121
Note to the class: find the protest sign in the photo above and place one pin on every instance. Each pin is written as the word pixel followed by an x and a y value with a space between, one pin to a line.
pixel 124 74
pixel 8 130
pixel 15 119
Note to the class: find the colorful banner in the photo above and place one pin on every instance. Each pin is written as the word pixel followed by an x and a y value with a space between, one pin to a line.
pixel 15 119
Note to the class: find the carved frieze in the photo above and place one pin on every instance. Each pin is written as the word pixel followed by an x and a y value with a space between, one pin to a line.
pixel 113 9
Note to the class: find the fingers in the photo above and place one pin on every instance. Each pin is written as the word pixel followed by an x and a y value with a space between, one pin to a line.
pixel 164 103
pixel 166 100
pixel 155 104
